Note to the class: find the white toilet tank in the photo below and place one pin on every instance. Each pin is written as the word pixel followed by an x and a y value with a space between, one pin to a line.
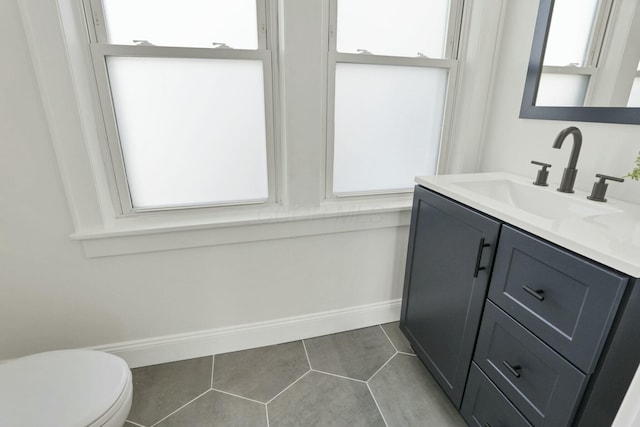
pixel 65 388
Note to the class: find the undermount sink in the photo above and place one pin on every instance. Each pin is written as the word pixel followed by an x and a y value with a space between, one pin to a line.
pixel 543 202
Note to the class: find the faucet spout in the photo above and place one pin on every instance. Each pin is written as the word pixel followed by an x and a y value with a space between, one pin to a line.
pixel 570 172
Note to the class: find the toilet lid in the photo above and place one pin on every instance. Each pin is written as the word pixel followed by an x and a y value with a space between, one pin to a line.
pixel 60 388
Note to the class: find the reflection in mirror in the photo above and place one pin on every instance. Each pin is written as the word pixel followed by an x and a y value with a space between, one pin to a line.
pixel 584 62
pixel 571 52
pixel 634 97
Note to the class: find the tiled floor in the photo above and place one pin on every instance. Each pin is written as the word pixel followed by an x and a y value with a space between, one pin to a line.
pixel 367 377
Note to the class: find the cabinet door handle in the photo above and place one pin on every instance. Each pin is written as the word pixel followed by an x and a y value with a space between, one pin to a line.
pixel 515 370
pixel 536 293
pixel 479 257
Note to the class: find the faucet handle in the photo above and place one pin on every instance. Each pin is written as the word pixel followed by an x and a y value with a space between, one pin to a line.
pixel 600 187
pixel 543 174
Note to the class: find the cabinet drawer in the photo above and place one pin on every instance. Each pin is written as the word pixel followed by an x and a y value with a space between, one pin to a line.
pixel 484 405
pixel 537 380
pixel 566 300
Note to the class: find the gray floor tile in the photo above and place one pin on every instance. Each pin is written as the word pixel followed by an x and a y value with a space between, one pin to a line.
pixel 215 409
pixel 355 354
pixel 409 396
pixel 128 424
pixel 322 400
pixel 261 373
pixel 396 336
pixel 161 389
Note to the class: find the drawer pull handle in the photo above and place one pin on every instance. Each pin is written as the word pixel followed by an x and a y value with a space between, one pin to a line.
pixel 515 370
pixel 538 294
pixel 479 258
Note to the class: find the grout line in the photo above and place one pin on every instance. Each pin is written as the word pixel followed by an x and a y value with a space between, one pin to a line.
pixel 377 406
pixel 213 361
pixel 135 424
pixel 266 411
pixel 238 396
pixel 288 387
pixel 339 376
pixel 189 402
pixel 382 367
pixel 306 353
pixel 408 354
pixel 389 338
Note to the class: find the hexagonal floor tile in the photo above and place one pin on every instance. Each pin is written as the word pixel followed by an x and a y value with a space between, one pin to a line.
pixel 396 336
pixel 409 396
pixel 323 400
pixel 355 354
pixel 161 389
pixel 261 373
pixel 218 409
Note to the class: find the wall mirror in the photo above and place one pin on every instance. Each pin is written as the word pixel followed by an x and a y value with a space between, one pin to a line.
pixel 585 62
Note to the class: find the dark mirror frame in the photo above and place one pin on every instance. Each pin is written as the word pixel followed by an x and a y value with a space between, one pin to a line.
pixel 529 110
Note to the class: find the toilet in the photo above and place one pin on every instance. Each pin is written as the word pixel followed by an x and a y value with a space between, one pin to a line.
pixel 65 388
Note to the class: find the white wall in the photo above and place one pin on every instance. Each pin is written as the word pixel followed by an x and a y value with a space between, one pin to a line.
pixel 511 143
pixel 52 296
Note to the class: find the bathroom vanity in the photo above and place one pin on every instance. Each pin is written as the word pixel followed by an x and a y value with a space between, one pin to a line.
pixel 523 302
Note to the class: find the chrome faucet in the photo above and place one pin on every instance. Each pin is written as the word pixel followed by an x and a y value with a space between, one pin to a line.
pixel 570 172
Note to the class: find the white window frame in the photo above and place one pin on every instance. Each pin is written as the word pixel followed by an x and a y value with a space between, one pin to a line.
pixel 57 36
pixel 101 49
pixel 450 63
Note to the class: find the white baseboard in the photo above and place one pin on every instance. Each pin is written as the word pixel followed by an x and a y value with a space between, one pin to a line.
pixel 223 340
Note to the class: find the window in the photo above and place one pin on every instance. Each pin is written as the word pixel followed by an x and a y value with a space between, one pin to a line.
pixel 634 96
pixel 572 51
pixel 186 95
pixel 91 56
pixel 391 66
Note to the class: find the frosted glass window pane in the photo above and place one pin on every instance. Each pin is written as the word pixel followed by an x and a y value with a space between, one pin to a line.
pixel 388 122
pixel 192 130
pixel 634 97
pixel 396 28
pixel 193 23
pixel 562 90
pixel 571 26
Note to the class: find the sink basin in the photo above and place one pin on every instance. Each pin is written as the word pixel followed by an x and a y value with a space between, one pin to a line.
pixel 543 202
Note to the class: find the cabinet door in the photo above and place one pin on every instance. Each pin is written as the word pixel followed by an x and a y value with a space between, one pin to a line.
pixel 451 249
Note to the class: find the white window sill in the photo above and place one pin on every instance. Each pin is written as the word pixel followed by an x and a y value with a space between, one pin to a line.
pixel 158 232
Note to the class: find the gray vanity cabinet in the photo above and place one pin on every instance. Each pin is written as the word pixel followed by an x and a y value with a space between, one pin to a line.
pixel 553 340
pixel 451 249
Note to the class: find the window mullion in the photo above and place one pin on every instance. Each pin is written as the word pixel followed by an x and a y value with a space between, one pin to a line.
pixel 178 52
pixel 596 39
pixel 261 21
pixel 355 58
pixel 331 105
pixel 94 14
pixel 116 157
pixel 333 24
pixel 568 70
pixel 453 28
pixel 269 109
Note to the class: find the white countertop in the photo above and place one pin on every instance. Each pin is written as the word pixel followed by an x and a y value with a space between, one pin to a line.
pixel 610 237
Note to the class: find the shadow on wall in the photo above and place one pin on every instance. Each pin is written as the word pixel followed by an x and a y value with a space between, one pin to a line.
pixel 400 261
pixel 33 320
